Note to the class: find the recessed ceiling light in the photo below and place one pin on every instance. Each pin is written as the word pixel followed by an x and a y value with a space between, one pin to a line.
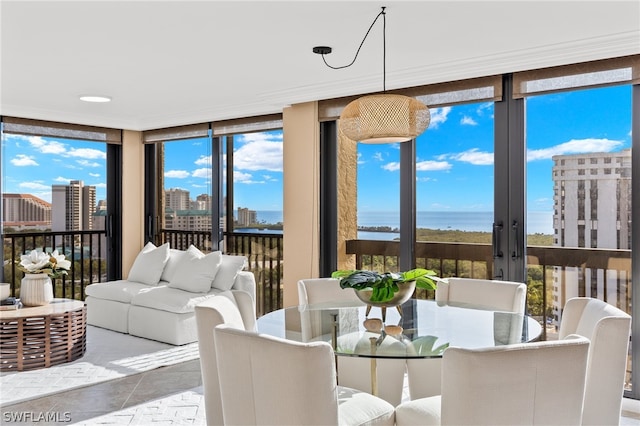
pixel 95 98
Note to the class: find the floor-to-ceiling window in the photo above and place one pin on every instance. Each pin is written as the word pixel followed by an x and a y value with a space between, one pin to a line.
pixel 256 187
pixel 60 191
pixel 558 180
pixel 579 188
pixel 455 184
pixel 218 186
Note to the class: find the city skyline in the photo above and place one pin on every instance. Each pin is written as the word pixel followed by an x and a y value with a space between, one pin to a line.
pixel 454 157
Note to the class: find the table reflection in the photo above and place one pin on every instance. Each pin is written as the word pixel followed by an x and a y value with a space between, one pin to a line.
pixel 424 330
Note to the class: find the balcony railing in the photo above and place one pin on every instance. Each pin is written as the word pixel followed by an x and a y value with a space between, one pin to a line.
pixel 86 250
pixel 263 251
pixel 554 273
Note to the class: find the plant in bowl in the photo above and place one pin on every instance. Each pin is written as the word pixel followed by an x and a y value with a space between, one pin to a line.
pixel 388 288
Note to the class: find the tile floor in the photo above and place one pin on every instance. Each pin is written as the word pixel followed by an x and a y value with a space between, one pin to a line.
pixel 169 395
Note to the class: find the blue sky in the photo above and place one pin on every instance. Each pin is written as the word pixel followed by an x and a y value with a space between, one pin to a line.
pixel 454 157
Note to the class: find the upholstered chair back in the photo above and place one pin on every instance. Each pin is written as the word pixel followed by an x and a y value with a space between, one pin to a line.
pixel 540 383
pixel 508 296
pixel 352 372
pixel 496 295
pixel 322 290
pixel 236 309
pixel 266 380
pixel 608 328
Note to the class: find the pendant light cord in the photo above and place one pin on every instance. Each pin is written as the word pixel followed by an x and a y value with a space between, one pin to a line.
pixel 384 49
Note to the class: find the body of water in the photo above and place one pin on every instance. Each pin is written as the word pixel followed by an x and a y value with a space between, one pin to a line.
pixel 537 222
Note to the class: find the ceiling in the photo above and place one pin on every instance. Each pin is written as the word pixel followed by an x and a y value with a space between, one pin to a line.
pixel 167 63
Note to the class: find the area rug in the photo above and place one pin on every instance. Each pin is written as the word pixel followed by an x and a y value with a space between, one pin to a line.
pixel 110 355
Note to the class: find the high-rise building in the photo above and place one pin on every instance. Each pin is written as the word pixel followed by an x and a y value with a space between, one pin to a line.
pixel 191 220
pixel 246 217
pixel 177 199
pixel 202 202
pixel 25 210
pixel 73 206
pixel 592 209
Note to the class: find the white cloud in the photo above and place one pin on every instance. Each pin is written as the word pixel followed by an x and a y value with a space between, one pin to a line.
pixel 87 163
pixel 100 185
pixel 392 167
pixel 426 179
pixel 246 178
pixel 487 106
pixel 438 116
pixel 204 160
pixel 468 121
pixel 378 156
pixel 473 156
pixel 94 174
pixel 431 166
pixel 87 153
pixel 38 186
pixel 62 179
pixel 360 160
pixel 178 174
pixel 574 146
pixel 259 151
pixel 53 147
pixel 45 146
pixel 202 173
pixel 22 160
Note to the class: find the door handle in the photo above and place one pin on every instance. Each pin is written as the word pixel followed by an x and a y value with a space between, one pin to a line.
pixel 495 240
pixel 515 254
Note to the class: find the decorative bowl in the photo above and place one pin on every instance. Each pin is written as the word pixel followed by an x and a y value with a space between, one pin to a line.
pixel 404 293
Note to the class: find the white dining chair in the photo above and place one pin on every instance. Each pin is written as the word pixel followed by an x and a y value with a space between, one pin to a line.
pixel 424 374
pixel 540 383
pixel 354 372
pixel 266 380
pixel 508 296
pixel 236 309
pixel 608 328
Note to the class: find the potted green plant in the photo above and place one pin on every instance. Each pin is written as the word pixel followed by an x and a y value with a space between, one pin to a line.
pixel 383 289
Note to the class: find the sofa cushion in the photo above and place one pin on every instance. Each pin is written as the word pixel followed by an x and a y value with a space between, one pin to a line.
pixel 149 264
pixel 228 271
pixel 171 299
pixel 196 271
pixel 118 291
pixel 170 267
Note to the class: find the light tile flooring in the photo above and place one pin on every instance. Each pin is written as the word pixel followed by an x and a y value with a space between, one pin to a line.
pixel 165 396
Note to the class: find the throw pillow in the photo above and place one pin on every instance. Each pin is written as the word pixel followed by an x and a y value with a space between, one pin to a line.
pixel 196 271
pixel 170 268
pixel 228 271
pixel 149 264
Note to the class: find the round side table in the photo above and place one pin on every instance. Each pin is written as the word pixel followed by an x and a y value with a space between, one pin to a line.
pixel 43 336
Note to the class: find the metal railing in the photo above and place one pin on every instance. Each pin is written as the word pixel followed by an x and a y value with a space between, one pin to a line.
pixel 552 271
pixel 86 250
pixel 263 251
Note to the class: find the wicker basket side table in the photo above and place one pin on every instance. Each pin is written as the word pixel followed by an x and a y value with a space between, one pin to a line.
pixel 43 336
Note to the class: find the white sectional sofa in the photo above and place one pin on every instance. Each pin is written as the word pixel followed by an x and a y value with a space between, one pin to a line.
pixel 157 299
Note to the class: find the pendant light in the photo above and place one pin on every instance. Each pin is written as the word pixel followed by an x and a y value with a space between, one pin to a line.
pixel 383 117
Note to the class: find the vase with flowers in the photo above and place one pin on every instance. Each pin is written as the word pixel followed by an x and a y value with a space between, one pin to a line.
pixel 39 267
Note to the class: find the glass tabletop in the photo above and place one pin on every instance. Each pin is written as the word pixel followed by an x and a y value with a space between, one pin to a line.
pixel 423 330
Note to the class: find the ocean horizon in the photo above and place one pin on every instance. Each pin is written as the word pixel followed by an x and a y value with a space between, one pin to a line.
pixel 538 222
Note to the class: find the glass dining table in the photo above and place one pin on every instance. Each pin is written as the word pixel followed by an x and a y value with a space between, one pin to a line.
pixel 419 329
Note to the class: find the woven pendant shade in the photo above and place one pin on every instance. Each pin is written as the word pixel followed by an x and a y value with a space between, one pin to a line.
pixel 384 119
